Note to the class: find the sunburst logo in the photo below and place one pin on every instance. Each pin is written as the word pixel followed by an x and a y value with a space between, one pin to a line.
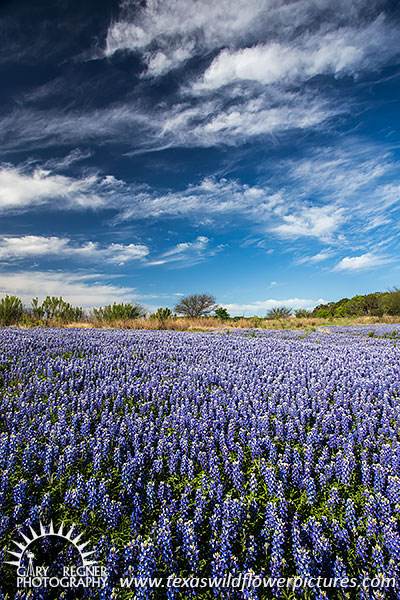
pixel 88 574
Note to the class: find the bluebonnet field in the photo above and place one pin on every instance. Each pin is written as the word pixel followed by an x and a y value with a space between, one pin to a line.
pixel 206 453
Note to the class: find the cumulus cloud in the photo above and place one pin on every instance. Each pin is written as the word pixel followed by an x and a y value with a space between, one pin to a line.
pixel 311 221
pixel 262 306
pixel 20 189
pixel 35 246
pixel 86 290
pixel 363 262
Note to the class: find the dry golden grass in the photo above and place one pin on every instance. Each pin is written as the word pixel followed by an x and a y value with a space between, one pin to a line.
pixel 210 323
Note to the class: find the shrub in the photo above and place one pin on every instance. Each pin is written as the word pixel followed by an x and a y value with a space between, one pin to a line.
pixel 119 312
pixel 162 314
pixel 302 313
pixel 390 302
pixel 54 308
pixel 221 313
pixel 279 312
pixel 11 310
pixel 323 313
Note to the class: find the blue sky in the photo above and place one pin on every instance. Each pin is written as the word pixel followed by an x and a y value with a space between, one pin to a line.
pixel 244 148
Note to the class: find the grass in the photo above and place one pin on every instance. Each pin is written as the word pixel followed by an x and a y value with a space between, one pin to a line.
pixel 211 323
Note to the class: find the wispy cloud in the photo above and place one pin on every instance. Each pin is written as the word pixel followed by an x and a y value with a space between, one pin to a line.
pixel 316 258
pixel 35 246
pixel 168 34
pixel 250 57
pixel 186 254
pixel 345 51
pixel 363 262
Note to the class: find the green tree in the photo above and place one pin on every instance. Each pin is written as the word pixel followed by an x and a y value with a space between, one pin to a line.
pixel 390 302
pixel 11 310
pixel 323 313
pixel 196 305
pixel 222 313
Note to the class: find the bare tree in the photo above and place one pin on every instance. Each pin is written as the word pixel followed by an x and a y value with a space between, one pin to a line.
pixel 196 305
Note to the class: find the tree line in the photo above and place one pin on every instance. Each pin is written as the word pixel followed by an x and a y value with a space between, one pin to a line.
pixel 55 310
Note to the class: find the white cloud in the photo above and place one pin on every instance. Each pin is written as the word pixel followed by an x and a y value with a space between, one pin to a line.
pixel 78 289
pixel 167 33
pixel 19 189
pixel 312 221
pixel 344 51
pixel 340 172
pixel 316 258
pixel 186 24
pixel 270 46
pixel 186 253
pixel 262 306
pixel 210 197
pixel 34 246
pixel 361 263
pixel 254 118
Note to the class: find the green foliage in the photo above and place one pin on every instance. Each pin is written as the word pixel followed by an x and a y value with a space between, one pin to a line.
pixel 302 313
pixel 279 312
pixel 375 304
pixel 221 313
pixel 57 309
pixel 162 314
pixel 37 311
pixel 323 313
pixel 196 305
pixel 258 322
pixel 390 302
pixel 11 310
pixel 119 312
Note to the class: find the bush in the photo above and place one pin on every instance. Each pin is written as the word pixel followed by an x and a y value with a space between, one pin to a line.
pixel 323 313
pixel 279 312
pixel 390 302
pixel 11 310
pixel 54 308
pixel 302 313
pixel 221 313
pixel 119 312
pixel 162 314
